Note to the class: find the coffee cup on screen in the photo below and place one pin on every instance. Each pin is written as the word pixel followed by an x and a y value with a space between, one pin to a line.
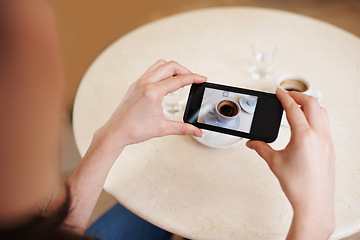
pixel 291 82
pixel 226 110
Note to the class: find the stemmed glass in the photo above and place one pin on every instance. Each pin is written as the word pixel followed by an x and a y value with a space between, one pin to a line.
pixel 173 104
pixel 263 52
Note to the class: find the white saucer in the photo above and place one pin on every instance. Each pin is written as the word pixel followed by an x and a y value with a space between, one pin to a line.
pixel 218 140
pixel 245 106
pixel 211 119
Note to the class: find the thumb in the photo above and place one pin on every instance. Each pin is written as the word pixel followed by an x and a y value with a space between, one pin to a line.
pixel 179 128
pixel 263 149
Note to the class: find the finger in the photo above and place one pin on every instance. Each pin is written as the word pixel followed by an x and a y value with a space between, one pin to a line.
pixel 263 149
pixel 326 118
pixel 174 83
pixel 294 114
pixel 156 65
pixel 311 109
pixel 167 70
pixel 179 128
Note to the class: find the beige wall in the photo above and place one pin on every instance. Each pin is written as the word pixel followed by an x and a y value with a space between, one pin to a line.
pixel 86 27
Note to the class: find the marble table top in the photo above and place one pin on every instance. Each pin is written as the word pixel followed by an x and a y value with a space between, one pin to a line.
pixel 205 193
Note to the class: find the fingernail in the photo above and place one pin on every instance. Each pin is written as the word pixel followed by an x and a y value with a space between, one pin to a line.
pixel 202 76
pixel 249 144
pixel 280 89
pixel 198 133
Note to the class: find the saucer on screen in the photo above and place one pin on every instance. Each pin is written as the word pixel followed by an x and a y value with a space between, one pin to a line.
pixel 211 119
pixel 218 140
pixel 244 104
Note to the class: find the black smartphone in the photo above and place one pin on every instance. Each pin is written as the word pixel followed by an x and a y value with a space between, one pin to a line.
pixel 234 111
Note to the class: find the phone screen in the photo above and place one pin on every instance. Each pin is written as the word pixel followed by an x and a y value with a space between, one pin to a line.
pixel 235 111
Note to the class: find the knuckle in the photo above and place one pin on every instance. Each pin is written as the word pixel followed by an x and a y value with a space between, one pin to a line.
pixel 324 111
pixel 292 106
pixel 308 136
pixel 161 61
pixel 150 92
pixel 183 130
pixel 312 101
pixel 307 133
pixel 143 79
pixel 173 64
pixel 135 85
pixel 183 79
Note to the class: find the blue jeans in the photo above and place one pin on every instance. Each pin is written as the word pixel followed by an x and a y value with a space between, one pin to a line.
pixel 120 224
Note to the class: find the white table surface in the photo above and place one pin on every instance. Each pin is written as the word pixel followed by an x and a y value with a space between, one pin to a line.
pixel 203 193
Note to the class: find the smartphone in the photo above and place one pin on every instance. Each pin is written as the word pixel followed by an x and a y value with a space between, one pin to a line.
pixel 235 111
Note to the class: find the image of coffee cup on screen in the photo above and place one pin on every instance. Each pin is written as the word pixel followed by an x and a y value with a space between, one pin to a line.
pixel 229 110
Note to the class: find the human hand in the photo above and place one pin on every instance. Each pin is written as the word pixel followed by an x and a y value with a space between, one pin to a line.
pixel 140 116
pixel 306 167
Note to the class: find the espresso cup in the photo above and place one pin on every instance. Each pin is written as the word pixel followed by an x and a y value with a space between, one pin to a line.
pixel 291 82
pixel 226 110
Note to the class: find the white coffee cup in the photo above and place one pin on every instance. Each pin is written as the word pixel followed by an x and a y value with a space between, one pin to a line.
pixel 226 110
pixel 291 82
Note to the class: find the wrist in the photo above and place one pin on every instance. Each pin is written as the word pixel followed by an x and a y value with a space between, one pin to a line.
pixel 104 143
pixel 312 224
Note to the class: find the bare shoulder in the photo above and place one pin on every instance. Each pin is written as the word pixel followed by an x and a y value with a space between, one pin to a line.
pixel 30 41
pixel 31 95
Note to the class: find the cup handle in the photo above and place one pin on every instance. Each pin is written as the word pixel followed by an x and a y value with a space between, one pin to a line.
pixel 317 94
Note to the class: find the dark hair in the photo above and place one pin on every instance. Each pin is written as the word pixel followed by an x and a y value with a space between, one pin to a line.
pixel 45 227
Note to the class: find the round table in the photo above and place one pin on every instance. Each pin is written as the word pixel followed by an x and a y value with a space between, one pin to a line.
pixel 204 193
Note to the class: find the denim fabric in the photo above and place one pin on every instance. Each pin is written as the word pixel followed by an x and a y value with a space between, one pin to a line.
pixel 120 224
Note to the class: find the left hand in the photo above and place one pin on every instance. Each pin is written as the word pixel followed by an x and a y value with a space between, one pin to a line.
pixel 140 116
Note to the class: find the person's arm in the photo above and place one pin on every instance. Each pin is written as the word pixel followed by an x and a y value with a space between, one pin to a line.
pixel 306 167
pixel 126 126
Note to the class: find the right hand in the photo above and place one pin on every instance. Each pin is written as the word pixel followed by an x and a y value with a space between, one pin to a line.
pixel 306 167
